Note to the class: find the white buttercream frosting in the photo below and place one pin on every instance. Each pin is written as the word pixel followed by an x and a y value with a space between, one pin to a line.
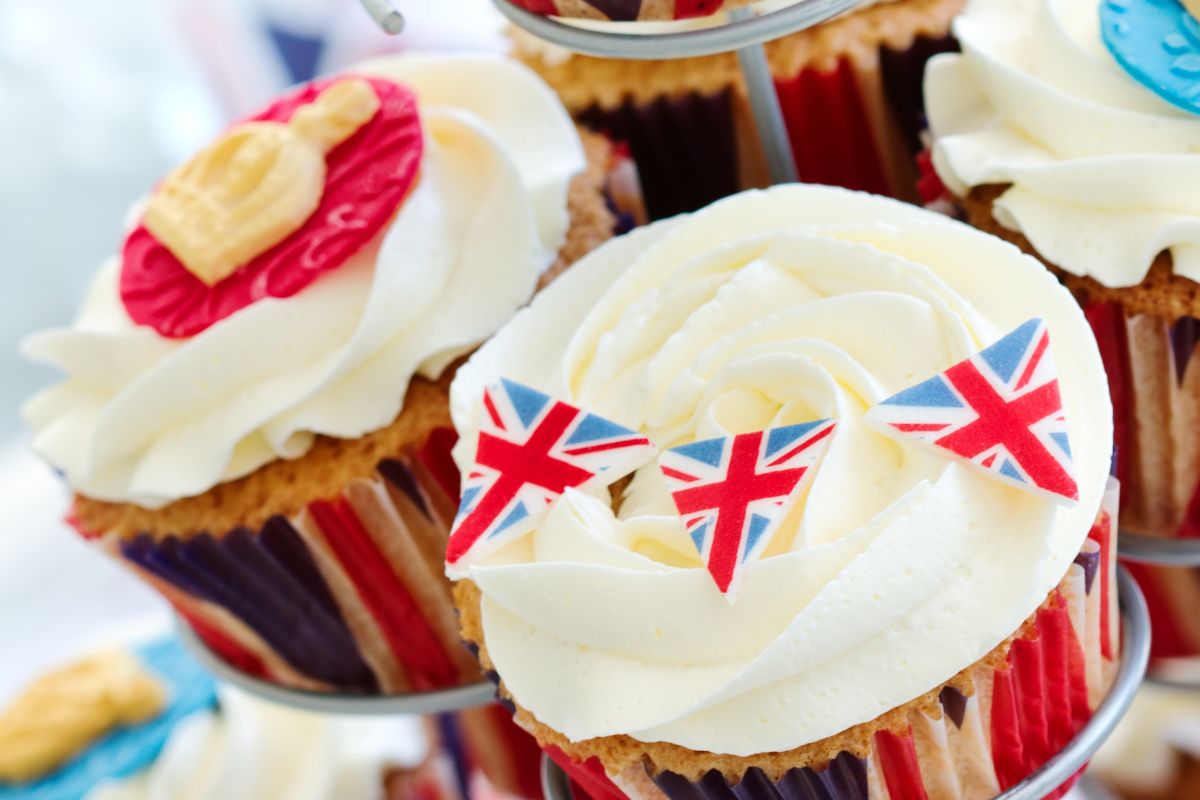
pixel 251 749
pixel 1101 169
pixel 148 420
pixel 897 570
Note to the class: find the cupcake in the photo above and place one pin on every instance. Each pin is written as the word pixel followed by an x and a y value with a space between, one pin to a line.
pixel 255 416
pixel 816 588
pixel 248 749
pixel 1154 754
pixel 1048 135
pixel 849 89
pixel 106 716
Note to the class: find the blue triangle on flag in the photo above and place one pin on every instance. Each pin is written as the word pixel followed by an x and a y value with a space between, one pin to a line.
pixel 708 451
pixel 1005 355
pixel 593 427
pixel 779 438
pixel 516 515
pixel 758 526
pixel 1063 441
pixel 528 402
pixel 698 534
pixel 1011 471
pixel 468 498
pixel 933 392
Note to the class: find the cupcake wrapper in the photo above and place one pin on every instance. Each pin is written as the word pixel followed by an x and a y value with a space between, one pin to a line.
pixel 1016 716
pixel 1154 379
pixel 347 595
pixel 857 126
pixel 486 740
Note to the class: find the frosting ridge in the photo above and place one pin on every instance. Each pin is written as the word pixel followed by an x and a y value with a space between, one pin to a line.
pixel 767 309
pixel 1097 164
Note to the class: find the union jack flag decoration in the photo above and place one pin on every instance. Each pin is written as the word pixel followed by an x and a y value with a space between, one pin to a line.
pixel 1000 410
pixel 531 449
pixel 733 492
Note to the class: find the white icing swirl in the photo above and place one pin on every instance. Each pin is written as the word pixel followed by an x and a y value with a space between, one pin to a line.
pixel 148 420
pixel 251 749
pixel 1101 168
pixel 898 569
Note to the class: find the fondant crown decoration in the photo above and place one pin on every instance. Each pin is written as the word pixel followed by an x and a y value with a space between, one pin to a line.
pixel 254 186
pixel 733 492
pixel 1157 43
pixel 531 449
pixel 999 411
pixel 282 198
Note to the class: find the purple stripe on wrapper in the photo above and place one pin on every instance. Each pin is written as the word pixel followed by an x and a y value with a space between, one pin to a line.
pixel 685 148
pixel 845 778
pixel 1091 565
pixel 1185 335
pixel 399 475
pixel 954 703
pixel 618 10
pixel 241 574
pixel 281 541
pixel 451 740
pixel 903 74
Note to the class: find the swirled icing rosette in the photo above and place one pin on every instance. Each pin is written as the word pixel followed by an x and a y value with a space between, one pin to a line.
pixel 762 311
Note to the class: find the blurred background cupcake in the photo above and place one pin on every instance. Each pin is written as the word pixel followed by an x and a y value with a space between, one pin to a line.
pixel 850 91
pixel 944 635
pixel 255 415
pixel 1048 133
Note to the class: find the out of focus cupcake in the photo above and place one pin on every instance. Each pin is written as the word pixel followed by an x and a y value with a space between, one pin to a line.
pixel 1154 754
pixel 106 716
pixel 875 553
pixel 849 88
pixel 255 415
pixel 1049 134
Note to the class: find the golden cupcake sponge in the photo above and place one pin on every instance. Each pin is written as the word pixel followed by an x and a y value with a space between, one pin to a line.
pixel 64 711
pixel 256 185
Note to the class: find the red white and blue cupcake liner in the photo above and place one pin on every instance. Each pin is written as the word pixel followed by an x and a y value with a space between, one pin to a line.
pixel 998 723
pixel 855 125
pixel 346 596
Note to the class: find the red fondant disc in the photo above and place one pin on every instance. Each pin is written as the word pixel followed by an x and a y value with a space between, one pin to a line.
pixel 367 178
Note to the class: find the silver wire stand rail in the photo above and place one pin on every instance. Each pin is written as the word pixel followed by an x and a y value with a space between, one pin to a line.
pixel 745 33
pixel 1135 653
pixel 416 704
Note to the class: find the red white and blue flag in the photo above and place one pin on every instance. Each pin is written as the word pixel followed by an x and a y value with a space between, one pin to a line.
pixel 733 492
pixel 531 449
pixel 1000 410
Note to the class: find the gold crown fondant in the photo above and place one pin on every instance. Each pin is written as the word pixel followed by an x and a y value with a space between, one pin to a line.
pixel 256 185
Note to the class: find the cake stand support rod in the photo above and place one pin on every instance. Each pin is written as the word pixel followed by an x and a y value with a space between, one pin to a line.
pixel 385 15
pixel 764 104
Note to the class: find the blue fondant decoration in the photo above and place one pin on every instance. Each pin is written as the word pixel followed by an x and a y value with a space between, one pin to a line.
pixel 127 751
pixel 1158 43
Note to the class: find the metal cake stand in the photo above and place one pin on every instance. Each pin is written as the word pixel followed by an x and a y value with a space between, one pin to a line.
pixel 416 704
pixel 1159 551
pixel 1135 654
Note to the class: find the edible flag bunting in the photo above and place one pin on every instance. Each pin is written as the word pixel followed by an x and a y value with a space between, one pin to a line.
pixel 1000 410
pixel 733 492
pixel 531 449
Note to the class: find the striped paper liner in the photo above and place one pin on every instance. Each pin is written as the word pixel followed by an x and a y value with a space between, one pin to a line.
pixel 857 125
pixel 1154 379
pixel 1012 720
pixel 348 595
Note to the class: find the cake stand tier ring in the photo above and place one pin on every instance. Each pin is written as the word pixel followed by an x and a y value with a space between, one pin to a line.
pixel 1059 770
pixel 415 704
pixel 1163 552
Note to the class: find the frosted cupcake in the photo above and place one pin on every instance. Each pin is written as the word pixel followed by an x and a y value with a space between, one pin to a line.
pixel 809 585
pixel 849 88
pixel 1061 129
pixel 255 416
